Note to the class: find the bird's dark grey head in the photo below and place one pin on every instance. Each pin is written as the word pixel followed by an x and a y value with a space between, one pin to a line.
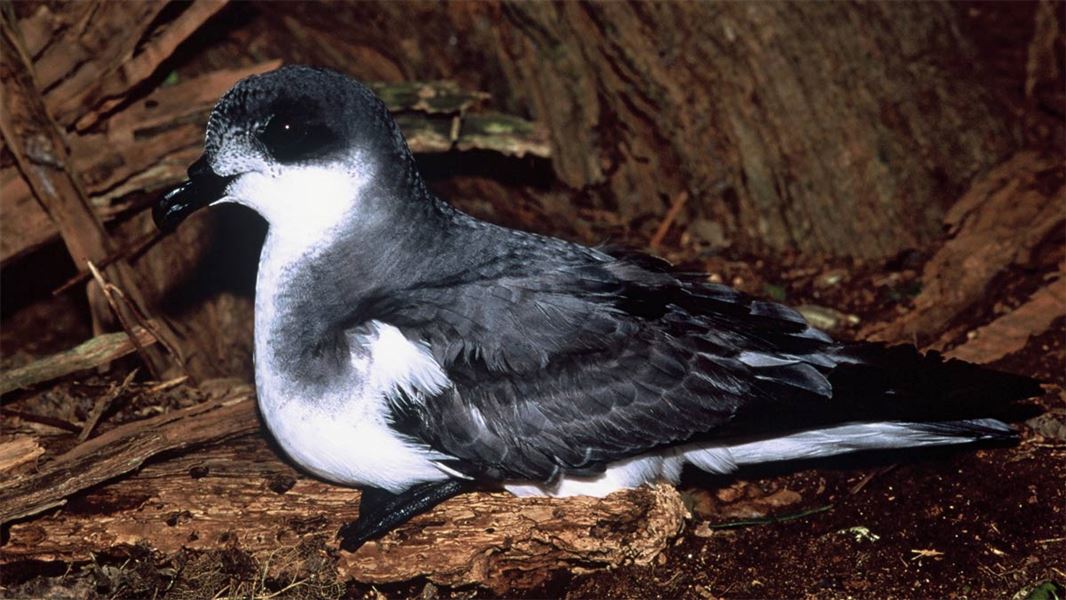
pixel 299 145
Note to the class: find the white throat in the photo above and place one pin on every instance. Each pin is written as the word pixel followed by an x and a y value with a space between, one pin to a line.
pixel 304 205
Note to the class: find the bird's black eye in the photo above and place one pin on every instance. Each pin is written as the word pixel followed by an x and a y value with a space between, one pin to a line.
pixel 290 139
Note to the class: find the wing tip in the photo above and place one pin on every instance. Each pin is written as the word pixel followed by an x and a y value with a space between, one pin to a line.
pixel 976 430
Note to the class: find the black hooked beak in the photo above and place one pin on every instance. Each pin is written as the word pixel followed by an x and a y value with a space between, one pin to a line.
pixel 203 187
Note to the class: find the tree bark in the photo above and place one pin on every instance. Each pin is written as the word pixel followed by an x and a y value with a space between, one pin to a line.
pixel 844 128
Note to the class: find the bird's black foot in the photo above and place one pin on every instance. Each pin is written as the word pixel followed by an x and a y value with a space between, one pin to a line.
pixel 380 511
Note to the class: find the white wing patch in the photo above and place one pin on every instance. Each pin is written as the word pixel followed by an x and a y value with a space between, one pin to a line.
pixel 398 364
pixel 629 473
pixel 342 434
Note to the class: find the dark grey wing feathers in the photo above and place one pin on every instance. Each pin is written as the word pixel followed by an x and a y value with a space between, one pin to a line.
pixel 585 360
pixel 564 359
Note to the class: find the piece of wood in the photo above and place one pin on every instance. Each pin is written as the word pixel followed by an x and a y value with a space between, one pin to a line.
pixel 101 36
pixel 102 405
pixel 1012 331
pixel 137 247
pixel 502 542
pixel 427 97
pixel 507 134
pixel 142 61
pixel 39 29
pixel 668 220
pixel 40 151
pixel 240 495
pixel 17 453
pixel 124 449
pixel 1007 213
pixel 93 353
pixel 116 47
pixel 52 422
pixel 123 312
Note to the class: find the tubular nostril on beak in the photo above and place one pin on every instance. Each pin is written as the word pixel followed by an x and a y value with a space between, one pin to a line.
pixel 201 169
pixel 203 187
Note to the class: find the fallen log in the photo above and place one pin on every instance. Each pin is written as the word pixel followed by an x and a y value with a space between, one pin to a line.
pixel 241 496
pixel 123 450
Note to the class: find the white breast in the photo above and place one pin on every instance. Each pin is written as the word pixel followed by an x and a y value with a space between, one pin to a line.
pixel 341 432
pixel 352 447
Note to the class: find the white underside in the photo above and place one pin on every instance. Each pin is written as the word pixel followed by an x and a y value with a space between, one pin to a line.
pixel 666 465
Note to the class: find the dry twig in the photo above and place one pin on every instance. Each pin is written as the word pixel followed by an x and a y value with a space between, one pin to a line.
pixel 668 220
pixel 102 404
pixel 93 353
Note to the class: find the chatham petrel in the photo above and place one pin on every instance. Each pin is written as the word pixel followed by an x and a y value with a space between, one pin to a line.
pixel 411 350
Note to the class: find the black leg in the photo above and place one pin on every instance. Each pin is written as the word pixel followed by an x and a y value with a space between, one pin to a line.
pixel 380 511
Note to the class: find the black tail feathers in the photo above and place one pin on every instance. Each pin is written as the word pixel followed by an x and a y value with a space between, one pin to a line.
pixel 900 383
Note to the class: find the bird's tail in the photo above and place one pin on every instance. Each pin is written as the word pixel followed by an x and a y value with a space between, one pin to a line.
pixel 846 439
pixel 879 383
pixel 882 398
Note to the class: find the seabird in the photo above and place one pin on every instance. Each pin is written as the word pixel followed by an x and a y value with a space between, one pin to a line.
pixel 413 351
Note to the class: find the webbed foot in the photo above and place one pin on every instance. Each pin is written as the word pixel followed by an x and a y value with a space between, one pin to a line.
pixel 380 511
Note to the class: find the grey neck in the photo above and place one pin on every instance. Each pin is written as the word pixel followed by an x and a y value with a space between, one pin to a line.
pixel 307 300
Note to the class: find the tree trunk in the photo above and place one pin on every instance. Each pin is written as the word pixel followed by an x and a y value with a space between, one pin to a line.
pixel 832 128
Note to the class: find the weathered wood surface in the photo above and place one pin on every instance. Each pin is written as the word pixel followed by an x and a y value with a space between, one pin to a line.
pixel 86 57
pixel 842 128
pixel 241 495
pixel 103 51
pixel 123 450
pixel 40 151
pixel 1006 214
pixel 93 353
pixel 1012 331
pixel 16 453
